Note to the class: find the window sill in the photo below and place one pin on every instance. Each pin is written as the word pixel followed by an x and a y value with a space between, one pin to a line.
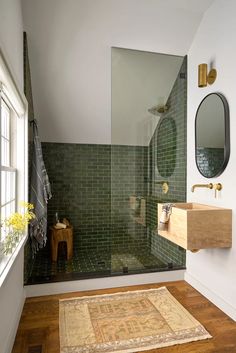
pixel 7 261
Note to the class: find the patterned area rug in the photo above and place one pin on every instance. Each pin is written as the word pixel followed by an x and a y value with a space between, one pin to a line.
pixel 126 322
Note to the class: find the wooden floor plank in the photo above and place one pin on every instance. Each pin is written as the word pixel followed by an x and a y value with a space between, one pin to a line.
pixel 39 324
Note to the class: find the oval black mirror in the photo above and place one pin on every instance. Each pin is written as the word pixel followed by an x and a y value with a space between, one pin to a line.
pixel 212 135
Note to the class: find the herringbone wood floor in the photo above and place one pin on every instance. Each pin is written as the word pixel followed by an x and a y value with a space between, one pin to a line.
pixel 38 331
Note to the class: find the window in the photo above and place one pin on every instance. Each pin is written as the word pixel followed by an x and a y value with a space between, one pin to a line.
pixel 13 157
pixel 8 171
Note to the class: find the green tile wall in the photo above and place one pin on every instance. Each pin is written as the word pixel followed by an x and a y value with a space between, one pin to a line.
pixel 80 176
pixel 170 146
pixel 28 261
pixel 210 160
pixel 165 148
pixel 128 177
pixel 91 185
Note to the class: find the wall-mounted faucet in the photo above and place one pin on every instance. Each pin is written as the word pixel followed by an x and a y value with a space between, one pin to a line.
pixel 208 186
pixel 217 187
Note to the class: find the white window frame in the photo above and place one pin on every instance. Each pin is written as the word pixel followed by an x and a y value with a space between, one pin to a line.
pixel 9 167
pixel 16 101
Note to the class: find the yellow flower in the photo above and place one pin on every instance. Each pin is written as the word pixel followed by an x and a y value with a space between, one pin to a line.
pixel 17 221
pixel 26 205
pixel 16 224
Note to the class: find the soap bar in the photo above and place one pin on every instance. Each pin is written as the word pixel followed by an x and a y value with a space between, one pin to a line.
pixel 60 226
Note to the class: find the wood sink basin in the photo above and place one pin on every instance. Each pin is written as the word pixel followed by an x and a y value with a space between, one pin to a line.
pixel 195 226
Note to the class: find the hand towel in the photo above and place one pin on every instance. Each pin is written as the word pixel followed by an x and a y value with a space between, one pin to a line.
pixel 40 193
pixel 132 202
pixel 165 216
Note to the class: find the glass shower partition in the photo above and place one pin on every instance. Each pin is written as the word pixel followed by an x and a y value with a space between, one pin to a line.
pixel 148 149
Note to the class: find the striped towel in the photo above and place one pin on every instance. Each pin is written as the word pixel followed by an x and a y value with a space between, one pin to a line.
pixel 40 193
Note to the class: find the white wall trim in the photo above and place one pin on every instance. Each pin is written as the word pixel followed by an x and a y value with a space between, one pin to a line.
pixel 102 283
pixel 10 339
pixel 210 295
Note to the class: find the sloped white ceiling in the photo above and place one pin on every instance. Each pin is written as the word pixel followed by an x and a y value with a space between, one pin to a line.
pixel 140 81
pixel 70 55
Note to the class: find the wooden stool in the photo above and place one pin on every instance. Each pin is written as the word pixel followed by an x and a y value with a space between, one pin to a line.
pixel 59 235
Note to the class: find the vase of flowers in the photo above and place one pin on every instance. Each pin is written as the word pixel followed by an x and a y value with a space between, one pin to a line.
pixel 15 226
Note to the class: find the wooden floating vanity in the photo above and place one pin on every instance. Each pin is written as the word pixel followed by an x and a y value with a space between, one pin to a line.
pixel 195 226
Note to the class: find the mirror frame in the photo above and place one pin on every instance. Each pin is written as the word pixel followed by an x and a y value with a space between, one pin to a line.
pixel 226 134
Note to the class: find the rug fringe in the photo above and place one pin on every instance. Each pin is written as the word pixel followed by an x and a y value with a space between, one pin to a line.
pixel 111 294
pixel 162 345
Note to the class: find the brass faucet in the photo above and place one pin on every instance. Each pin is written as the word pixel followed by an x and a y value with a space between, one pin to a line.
pixel 164 186
pixel 208 186
pixel 217 187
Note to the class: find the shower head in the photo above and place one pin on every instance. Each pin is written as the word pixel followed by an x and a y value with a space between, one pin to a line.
pixel 159 109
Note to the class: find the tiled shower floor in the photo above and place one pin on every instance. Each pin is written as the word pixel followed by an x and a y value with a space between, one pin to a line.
pixel 91 264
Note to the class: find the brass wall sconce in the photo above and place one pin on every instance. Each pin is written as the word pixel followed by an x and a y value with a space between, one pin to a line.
pixel 205 78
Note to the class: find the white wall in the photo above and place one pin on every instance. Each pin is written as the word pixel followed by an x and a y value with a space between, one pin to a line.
pixel 213 272
pixel 11 292
pixel 11 37
pixel 140 80
pixel 12 297
pixel 70 55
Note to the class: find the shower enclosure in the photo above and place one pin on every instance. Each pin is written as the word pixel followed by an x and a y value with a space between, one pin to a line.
pixel 110 192
pixel 148 157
